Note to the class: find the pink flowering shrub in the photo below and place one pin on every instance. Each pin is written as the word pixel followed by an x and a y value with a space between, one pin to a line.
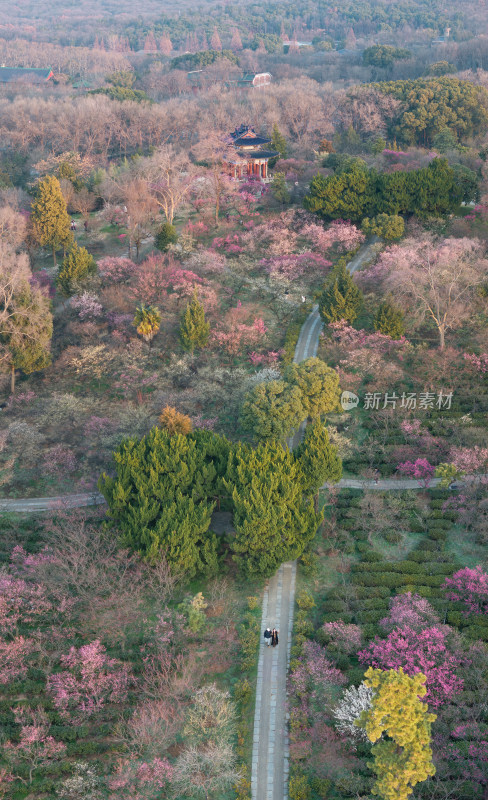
pixel 21 603
pixel 469 586
pixel 424 651
pixel 469 459
pixel 480 363
pixel 230 244
pixel 271 357
pixel 90 680
pixel 36 747
pixel 13 658
pixel 346 638
pixel 314 671
pixel 411 611
pixel 116 270
pixel 206 424
pixel 341 234
pixel 140 780
pixel 420 469
pixel 206 261
pixel 87 305
pixel 411 428
pixel 294 265
pixel 59 460
pixel 349 337
pixel 20 398
pixel 238 335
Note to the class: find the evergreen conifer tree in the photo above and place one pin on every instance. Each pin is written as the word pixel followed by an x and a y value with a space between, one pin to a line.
pixel 318 384
pixel 50 219
pixel 165 236
pixel 318 458
pixel 389 320
pixel 279 189
pixel 158 497
pixel 272 518
pixel 78 265
pixel 278 144
pixel 272 410
pixel 194 331
pixel 341 298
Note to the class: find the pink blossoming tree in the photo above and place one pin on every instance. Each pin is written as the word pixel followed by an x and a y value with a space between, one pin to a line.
pixel 90 680
pixel 469 586
pixel 425 651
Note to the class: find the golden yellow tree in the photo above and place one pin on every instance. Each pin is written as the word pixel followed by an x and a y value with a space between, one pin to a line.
pixel 174 421
pixel 404 758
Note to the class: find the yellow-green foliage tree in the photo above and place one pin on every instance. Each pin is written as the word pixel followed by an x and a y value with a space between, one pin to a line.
pixel 404 757
pixel 50 220
pixel 174 421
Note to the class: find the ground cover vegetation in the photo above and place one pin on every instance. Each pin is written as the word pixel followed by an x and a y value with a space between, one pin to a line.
pixel 149 314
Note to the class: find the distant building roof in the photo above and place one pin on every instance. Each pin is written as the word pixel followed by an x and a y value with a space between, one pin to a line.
pixel 27 74
pixel 245 136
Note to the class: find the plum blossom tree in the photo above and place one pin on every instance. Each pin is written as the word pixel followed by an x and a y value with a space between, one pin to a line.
pixel 346 638
pixel 140 780
pixel 468 460
pixel 91 680
pixel 420 469
pixel 36 747
pixel 470 587
pixel 427 651
pixel 409 610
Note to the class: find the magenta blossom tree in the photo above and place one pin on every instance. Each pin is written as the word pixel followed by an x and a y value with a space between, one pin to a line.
pixel 90 680
pixel 425 651
pixel 469 586
pixel 420 469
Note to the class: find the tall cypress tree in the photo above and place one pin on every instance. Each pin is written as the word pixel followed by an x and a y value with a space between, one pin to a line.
pixel 389 320
pixel 194 331
pixel 318 460
pixel 278 144
pixel 272 518
pixel 78 265
pixel 158 497
pixel 341 298
pixel 50 219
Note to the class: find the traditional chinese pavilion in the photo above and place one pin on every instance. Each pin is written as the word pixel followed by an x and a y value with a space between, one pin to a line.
pixel 251 160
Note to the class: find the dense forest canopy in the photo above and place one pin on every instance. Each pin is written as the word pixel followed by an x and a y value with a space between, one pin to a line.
pixel 77 23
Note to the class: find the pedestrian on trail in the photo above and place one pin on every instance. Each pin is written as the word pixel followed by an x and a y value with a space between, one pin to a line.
pixel 85 225
pixel 376 476
pixel 274 637
pixel 73 225
pixel 267 636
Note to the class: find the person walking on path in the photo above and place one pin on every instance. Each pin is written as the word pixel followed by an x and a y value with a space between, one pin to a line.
pixel 274 637
pixel 267 636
